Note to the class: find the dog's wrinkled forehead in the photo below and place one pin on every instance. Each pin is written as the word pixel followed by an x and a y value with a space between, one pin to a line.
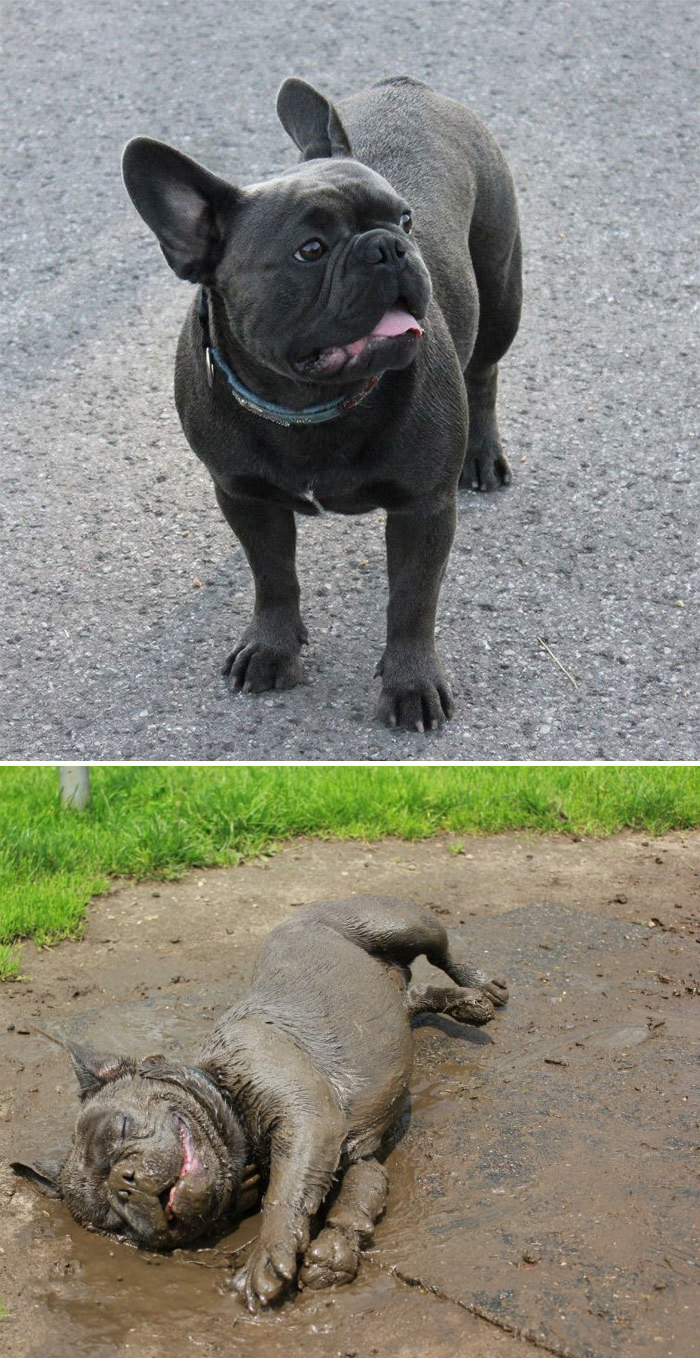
pixel 134 1089
pixel 342 187
pixel 101 1120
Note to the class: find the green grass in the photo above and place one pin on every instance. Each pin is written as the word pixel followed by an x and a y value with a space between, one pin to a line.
pixel 9 965
pixel 160 821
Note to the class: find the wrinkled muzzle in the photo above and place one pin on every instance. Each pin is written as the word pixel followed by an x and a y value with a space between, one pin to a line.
pixel 166 1206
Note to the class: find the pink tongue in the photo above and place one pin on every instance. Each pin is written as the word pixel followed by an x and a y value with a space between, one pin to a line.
pixel 189 1164
pixel 397 322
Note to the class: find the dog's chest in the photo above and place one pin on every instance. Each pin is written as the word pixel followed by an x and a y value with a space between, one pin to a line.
pixel 319 494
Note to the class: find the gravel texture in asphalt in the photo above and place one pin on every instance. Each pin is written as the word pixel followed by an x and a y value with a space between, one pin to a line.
pixel 121 588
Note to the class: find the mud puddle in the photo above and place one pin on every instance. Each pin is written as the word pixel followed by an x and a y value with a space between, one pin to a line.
pixel 542 1179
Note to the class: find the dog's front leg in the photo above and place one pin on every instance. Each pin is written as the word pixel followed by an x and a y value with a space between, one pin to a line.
pixel 267 655
pixel 334 1256
pixel 305 1128
pixel 415 692
pixel 304 1158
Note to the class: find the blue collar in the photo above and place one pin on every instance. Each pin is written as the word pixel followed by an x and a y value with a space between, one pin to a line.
pixel 268 410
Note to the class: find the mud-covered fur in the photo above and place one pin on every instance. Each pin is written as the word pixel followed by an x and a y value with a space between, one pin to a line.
pixel 304 1077
pixel 408 207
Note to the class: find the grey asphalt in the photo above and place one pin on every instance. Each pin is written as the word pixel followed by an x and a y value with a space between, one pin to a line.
pixel 121 588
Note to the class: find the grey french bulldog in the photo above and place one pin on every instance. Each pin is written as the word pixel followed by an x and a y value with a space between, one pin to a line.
pixel 342 351
pixel 302 1079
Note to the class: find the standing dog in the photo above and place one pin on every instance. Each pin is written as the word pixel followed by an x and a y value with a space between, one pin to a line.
pixel 305 1075
pixel 342 351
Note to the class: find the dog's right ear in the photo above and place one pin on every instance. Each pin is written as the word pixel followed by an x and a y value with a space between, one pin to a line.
pixel 95 1070
pixel 45 1175
pixel 186 206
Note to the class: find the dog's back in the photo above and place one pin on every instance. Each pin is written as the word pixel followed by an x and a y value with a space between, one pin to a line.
pixel 453 173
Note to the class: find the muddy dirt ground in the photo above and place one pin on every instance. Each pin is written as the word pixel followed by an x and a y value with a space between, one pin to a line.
pixel 543 1179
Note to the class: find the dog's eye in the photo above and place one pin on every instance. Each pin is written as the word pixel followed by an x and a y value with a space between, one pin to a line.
pixel 311 250
pixel 406 221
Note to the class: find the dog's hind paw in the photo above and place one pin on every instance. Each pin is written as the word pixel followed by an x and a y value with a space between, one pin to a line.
pixel 471 1006
pixel 496 989
pixel 461 1003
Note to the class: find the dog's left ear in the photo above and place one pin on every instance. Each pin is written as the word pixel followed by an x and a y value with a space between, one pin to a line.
pixel 46 1175
pixel 312 121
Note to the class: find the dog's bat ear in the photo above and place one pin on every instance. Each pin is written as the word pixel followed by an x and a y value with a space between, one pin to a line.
pixel 94 1070
pixel 312 121
pixel 46 1175
pixel 186 206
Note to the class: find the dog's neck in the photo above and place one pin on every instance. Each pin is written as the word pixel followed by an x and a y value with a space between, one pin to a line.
pixel 256 397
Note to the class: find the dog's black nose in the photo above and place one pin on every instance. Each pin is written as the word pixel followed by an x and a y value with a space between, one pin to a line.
pixel 123 1181
pixel 382 247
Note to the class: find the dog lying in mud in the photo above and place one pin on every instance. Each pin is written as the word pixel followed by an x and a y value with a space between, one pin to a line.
pixel 304 1076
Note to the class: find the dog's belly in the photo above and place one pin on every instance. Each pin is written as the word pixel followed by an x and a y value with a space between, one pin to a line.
pixel 345 1010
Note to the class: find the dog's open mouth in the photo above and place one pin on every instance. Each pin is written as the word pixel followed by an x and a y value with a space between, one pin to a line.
pixel 191 1164
pixel 397 324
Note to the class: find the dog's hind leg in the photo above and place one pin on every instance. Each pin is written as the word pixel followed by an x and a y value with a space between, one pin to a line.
pixel 334 1256
pixel 468 977
pixel 461 1004
pixel 500 293
pixel 399 931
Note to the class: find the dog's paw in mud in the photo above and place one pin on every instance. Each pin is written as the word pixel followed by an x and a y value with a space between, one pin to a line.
pixel 463 1004
pixel 486 466
pixel 469 1006
pixel 494 986
pixel 267 1274
pixel 331 1260
pixel 497 990
pixel 415 696
pixel 266 657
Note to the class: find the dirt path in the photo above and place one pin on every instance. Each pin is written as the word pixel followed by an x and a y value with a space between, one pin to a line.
pixel 541 1195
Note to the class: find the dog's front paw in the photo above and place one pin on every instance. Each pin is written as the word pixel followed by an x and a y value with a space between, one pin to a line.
pixel 267 656
pixel 332 1259
pixel 417 697
pixel 267 1274
pixel 486 466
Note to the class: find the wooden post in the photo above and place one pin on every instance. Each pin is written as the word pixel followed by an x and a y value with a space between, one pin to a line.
pixel 75 785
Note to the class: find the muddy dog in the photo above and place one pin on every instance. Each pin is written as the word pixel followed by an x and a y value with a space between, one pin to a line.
pixel 304 1076
pixel 342 351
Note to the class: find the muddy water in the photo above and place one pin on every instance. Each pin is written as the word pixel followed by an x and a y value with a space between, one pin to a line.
pixel 109 1297
pixel 541 1177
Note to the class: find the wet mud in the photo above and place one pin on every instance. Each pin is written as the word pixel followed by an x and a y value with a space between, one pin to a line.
pixel 543 1176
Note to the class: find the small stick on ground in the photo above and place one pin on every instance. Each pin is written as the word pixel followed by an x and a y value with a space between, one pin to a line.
pixel 563 668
